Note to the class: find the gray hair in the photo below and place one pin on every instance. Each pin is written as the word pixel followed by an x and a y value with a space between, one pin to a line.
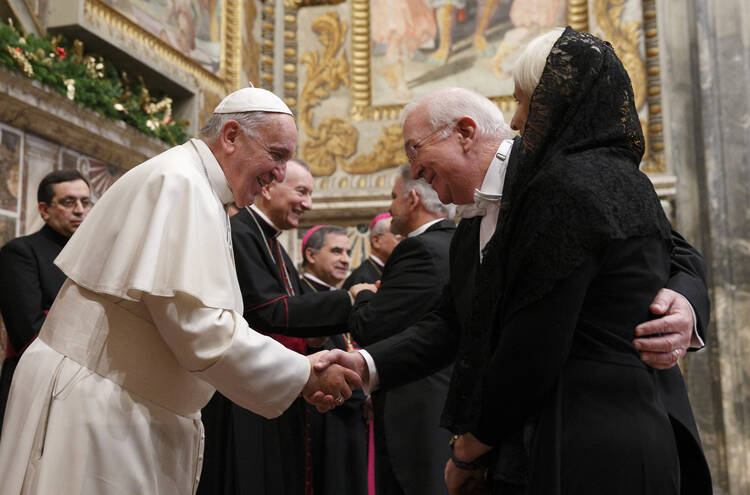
pixel 249 121
pixel 426 193
pixel 447 106
pixel 317 239
pixel 378 229
pixel 527 71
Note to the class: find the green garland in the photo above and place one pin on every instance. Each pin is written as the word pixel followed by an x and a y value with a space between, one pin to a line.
pixel 91 81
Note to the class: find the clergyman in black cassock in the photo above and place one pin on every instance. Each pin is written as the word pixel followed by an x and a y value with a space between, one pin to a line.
pixel 30 279
pixel 244 452
pixel 340 435
pixel 30 282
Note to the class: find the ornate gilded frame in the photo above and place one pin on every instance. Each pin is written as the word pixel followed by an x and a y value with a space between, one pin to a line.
pixel 625 37
pixel 97 12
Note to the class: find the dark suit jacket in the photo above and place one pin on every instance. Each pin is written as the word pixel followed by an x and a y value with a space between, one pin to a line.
pixel 29 283
pixel 433 341
pixel 368 272
pixel 409 441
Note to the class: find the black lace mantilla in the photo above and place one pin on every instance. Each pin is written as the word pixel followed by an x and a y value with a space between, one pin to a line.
pixel 577 186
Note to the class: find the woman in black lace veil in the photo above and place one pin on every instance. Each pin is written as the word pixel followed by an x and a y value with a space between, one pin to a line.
pixel 581 248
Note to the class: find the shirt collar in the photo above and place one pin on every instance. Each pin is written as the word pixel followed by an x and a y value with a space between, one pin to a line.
pixel 377 260
pixel 494 178
pixel 216 176
pixel 277 231
pixel 315 279
pixel 424 227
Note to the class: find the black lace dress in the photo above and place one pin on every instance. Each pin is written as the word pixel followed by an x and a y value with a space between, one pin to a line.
pixel 582 246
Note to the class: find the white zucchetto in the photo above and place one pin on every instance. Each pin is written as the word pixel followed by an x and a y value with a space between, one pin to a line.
pixel 252 100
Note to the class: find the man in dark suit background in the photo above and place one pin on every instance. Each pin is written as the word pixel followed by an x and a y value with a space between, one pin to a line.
pixel 382 242
pixel 30 279
pixel 410 447
pixel 341 433
pixel 454 154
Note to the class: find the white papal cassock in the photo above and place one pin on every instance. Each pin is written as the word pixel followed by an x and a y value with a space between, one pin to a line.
pixel 149 323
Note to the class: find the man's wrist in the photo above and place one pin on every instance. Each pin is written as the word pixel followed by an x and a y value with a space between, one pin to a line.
pixel 461 459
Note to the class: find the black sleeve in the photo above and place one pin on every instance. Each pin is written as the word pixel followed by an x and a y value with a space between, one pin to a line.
pixel 20 294
pixel 269 309
pixel 422 349
pixel 688 277
pixel 411 286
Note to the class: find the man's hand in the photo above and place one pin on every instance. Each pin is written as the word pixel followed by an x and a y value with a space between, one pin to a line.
pixel 465 481
pixel 357 288
pixel 662 341
pixel 330 385
pixel 352 360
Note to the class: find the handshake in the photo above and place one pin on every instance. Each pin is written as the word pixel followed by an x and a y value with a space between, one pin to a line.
pixel 333 376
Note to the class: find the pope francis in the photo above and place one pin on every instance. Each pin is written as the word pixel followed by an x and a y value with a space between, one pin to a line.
pixel 148 324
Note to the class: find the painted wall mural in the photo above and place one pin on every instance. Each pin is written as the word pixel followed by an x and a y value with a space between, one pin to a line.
pixel 191 26
pixel 419 46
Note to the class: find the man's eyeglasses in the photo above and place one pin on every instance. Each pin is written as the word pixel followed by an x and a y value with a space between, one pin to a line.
pixel 70 203
pixel 412 150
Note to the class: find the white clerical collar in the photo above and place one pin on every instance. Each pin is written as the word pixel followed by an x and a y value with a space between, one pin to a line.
pixel 424 227
pixel 216 176
pixel 315 279
pixel 377 260
pixel 266 219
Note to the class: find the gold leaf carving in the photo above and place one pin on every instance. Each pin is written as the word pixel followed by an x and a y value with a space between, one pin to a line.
pixel 328 146
pixel 325 147
pixel 250 48
pixel 625 37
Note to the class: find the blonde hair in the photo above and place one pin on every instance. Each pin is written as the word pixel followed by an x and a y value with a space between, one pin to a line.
pixel 528 69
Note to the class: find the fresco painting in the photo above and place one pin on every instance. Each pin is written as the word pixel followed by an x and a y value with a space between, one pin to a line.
pixel 422 45
pixel 191 26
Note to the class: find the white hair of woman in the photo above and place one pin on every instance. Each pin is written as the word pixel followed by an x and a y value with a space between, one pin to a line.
pixel 426 193
pixel 527 71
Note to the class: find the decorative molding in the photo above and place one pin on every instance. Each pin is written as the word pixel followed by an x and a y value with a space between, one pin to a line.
pixel 267 29
pixel 296 4
pixel 231 44
pixel 578 14
pixel 251 49
pixel 290 57
pixel 644 74
pixel 625 38
pixel 30 106
pixel 655 160
pixel 335 139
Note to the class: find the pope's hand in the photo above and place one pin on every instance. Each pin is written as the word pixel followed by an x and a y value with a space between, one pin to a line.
pixel 352 360
pixel 329 386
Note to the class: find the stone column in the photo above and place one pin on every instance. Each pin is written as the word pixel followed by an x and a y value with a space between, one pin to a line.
pixel 707 102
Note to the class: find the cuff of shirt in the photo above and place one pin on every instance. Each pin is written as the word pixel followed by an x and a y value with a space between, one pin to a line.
pixel 696 342
pixel 374 381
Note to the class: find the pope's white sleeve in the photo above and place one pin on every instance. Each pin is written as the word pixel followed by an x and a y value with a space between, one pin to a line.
pixel 218 346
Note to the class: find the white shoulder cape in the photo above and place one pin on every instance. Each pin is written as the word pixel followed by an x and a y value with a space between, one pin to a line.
pixel 159 229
